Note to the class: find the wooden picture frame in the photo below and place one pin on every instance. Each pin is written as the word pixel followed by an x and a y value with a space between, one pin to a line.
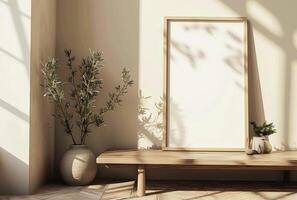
pixel 166 145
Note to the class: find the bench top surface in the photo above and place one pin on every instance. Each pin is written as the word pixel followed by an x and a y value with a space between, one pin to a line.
pixel 159 157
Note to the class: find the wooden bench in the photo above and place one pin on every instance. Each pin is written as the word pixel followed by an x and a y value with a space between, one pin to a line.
pixel 284 161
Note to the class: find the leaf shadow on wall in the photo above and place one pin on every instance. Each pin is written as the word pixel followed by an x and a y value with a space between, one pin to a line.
pixel 175 115
pixel 184 49
pixel 180 48
pixel 234 60
pixel 150 123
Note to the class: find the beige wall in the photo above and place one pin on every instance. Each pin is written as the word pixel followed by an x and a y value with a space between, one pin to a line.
pixel 112 27
pixel 130 33
pixel 41 120
pixel 15 28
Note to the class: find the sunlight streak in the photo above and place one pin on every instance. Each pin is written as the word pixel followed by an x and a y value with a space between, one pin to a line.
pixel 264 17
pixel 294 38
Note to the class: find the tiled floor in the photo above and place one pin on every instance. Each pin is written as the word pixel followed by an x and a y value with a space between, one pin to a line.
pixel 167 191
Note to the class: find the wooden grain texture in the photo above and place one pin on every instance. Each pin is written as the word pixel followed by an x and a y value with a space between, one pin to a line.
pixel 166 190
pixel 239 160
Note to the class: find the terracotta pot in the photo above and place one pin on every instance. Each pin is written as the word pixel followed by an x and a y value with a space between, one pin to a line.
pixel 78 165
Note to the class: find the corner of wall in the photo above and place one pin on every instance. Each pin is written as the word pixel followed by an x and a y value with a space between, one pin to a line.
pixel 41 122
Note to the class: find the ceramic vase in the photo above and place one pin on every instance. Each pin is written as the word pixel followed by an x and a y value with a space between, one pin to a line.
pixel 267 146
pixel 258 144
pixel 261 144
pixel 78 165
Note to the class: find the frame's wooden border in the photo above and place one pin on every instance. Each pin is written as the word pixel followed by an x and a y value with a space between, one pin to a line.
pixel 166 79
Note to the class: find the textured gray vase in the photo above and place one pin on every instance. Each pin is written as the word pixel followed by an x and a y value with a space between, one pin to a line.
pixel 78 165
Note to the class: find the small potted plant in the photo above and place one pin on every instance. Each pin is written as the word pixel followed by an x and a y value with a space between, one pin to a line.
pixel 260 143
pixel 78 109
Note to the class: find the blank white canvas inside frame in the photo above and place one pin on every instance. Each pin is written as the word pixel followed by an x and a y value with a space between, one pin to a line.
pixel 206 84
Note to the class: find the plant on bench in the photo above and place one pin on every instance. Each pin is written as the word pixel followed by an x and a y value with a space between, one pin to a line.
pixel 78 166
pixel 260 141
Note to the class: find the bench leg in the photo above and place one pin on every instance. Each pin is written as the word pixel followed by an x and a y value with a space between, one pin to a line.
pixel 141 181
